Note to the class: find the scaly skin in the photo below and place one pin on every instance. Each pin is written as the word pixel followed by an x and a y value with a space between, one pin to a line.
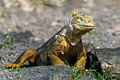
pixel 65 46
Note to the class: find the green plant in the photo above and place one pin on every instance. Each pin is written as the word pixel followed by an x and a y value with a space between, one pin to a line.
pixel 16 69
pixel 8 41
pixel 53 74
pixel 21 74
pixel 77 74
pixel 107 74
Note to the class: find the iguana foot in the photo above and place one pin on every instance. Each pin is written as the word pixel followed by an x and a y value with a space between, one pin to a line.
pixel 81 63
pixel 12 65
pixel 28 55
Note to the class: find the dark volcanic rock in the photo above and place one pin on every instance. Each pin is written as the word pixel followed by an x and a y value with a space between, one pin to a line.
pixel 110 59
pixel 45 73
pixel 40 73
pixel 49 73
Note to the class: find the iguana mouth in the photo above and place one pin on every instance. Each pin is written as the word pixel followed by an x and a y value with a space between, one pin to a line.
pixel 88 25
pixel 83 26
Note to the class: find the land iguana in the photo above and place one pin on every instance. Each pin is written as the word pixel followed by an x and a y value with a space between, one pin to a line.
pixel 65 46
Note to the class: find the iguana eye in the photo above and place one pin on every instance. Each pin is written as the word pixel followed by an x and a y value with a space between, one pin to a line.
pixel 80 19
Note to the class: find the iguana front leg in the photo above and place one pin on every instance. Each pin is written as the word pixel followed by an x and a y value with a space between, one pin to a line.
pixel 29 55
pixel 56 61
pixel 52 55
pixel 81 61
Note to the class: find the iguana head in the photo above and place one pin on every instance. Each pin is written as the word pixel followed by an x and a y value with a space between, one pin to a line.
pixel 79 25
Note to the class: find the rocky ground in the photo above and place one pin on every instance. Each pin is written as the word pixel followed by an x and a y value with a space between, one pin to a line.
pixel 26 24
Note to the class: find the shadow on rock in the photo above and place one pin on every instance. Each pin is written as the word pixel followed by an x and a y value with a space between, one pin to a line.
pixel 103 59
pixel 17 37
